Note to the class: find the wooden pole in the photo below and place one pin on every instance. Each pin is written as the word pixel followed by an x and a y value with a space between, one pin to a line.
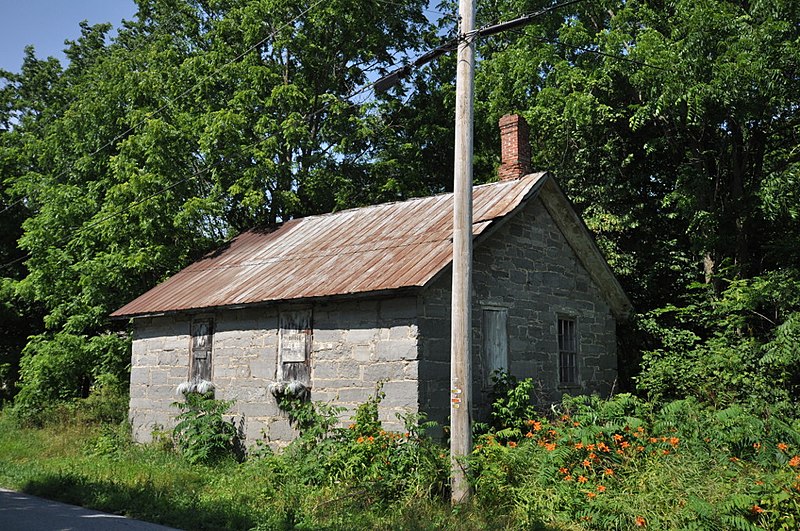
pixel 461 331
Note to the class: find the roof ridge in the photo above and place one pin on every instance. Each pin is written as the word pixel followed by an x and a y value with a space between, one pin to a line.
pixel 508 182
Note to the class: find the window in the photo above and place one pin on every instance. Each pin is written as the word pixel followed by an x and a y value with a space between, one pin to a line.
pixel 495 340
pixel 567 352
pixel 202 331
pixel 294 346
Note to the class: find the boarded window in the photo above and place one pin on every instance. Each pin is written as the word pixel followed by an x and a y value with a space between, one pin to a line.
pixel 202 332
pixel 294 346
pixel 495 340
pixel 567 351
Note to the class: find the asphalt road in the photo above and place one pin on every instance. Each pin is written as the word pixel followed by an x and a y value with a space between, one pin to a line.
pixel 23 512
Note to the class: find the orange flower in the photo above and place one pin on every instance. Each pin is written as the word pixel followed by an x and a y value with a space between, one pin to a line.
pixel 563 470
pixel 512 444
pixel 608 472
pixel 592 456
pixel 653 439
pixel 625 444
pixel 576 423
pixel 640 448
pixel 370 438
pixel 582 479
pixel 603 447
pixel 756 509
pixel 578 446
pixel 674 441
pixel 529 435
pixel 794 461
pixel 590 448
pixel 567 478
pixel 535 423
pixel 601 488
pixel 640 522
pixel 757 446
pixel 591 495
pixel 552 432
pixel 587 463
pixel 665 452
pixel 565 417
pixel 550 447
pixel 620 452
pixel 783 447
pixel 360 440
pixel 617 437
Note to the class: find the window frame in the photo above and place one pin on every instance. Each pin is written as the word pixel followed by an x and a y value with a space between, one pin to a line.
pixel 295 337
pixel 568 349
pixel 202 349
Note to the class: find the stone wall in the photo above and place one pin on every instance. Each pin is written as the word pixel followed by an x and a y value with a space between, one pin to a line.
pixel 159 363
pixel 527 267
pixel 355 345
pixel 358 344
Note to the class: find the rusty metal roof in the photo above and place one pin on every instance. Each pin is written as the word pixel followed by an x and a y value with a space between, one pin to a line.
pixel 371 249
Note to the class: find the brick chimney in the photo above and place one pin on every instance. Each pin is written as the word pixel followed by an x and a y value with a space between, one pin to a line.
pixel 515 147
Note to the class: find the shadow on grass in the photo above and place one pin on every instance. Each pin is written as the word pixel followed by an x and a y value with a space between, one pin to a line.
pixel 172 507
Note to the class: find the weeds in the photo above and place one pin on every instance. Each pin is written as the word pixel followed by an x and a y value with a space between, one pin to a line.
pixel 620 463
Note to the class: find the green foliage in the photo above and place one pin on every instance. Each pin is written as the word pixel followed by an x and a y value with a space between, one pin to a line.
pixel 622 463
pixel 65 366
pixel 512 404
pixel 150 147
pixel 372 465
pixel 202 434
pixel 738 348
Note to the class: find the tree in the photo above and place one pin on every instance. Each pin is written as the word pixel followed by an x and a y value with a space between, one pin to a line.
pixel 200 119
pixel 674 128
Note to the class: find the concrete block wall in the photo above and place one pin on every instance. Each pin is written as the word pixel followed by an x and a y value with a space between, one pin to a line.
pixel 360 343
pixel 244 363
pixel 355 345
pixel 159 363
pixel 546 280
pixel 527 267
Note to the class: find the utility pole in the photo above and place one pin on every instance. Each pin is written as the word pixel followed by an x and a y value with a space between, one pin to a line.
pixel 461 331
pixel 461 328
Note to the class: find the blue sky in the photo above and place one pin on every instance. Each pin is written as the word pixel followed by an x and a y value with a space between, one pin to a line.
pixel 47 23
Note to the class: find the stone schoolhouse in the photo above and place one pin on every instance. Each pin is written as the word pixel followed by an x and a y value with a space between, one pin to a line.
pixel 330 305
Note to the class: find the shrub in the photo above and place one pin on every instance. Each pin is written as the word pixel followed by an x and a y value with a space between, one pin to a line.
pixel 202 434
pixel 372 465
pixel 622 463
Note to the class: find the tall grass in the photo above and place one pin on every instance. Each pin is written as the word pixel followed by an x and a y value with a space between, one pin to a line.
pixel 593 464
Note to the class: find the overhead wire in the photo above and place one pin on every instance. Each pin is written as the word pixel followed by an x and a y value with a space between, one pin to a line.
pixel 40 128
pixel 374 86
pixel 171 102
pixel 198 173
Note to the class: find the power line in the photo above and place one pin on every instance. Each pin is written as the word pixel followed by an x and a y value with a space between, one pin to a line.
pixel 184 93
pixel 40 128
pixel 93 224
pixel 389 80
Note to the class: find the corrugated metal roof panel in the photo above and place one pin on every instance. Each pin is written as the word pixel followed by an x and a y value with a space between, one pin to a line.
pixel 376 248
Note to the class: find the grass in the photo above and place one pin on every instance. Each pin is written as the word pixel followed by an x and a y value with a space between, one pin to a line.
pixel 616 464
